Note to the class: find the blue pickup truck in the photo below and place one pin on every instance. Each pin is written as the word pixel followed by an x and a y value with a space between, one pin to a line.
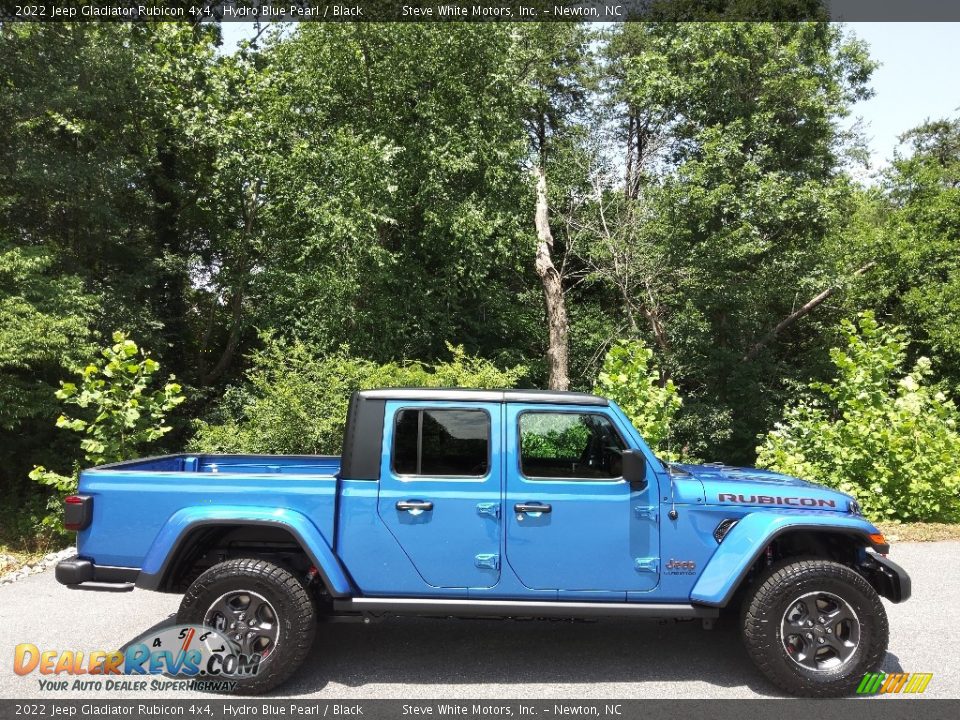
pixel 512 504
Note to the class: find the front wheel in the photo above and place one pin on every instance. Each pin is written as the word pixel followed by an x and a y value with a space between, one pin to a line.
pixel 261 606
pixel 815 627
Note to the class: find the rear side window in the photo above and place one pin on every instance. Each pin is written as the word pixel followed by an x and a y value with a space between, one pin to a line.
pixel 569 446
pixel 441 443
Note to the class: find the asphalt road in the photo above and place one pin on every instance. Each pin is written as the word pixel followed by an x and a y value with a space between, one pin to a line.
pixel 434 659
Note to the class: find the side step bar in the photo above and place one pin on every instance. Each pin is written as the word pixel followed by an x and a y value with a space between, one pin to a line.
pixel 520 608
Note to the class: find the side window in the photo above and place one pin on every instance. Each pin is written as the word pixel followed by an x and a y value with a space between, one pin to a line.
pixel 435 443
pixel 569 446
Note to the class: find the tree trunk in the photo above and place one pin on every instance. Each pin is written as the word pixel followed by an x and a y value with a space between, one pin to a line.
pixel 170 281
pixel 557 323
pixel 251 208
pixel 226 357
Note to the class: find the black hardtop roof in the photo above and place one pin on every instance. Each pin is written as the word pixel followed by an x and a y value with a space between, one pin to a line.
pixel 553 397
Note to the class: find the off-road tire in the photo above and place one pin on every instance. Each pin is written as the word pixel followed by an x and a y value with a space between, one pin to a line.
pixel 764 611
pixel 294 606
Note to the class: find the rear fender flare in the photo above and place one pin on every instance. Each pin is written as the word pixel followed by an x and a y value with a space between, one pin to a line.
pixel 743 545
pixel 168 544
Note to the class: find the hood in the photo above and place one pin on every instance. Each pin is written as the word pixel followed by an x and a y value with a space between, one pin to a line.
pixel 726 485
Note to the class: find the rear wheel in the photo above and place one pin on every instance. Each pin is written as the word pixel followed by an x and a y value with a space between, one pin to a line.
pixel 815 627
pixel 261 606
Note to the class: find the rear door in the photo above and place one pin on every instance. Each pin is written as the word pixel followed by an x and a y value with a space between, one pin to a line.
pixel 573 523
pixel 440 489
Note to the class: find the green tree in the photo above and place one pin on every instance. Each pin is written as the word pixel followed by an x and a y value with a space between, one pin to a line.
pixel 717 233
pixel 393 184
pixel 918 239
pixel 120 412
pixel 555 63
pixel 295 398
pixel 43 327
pixel 44 318
pixel 102 167
pixel 888 437
pixel 629 378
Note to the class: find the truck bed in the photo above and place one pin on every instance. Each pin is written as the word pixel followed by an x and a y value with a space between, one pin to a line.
pixel 138 502
pixel 231 464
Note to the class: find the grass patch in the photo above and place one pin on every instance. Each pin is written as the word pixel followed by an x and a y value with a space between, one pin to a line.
pixel 919 532
pixel 12 559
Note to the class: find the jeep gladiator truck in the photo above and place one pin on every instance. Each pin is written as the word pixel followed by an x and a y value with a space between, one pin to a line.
pixel 512 504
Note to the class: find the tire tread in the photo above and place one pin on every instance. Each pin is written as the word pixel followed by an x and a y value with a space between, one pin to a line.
pixel 765 648
pixel 303 617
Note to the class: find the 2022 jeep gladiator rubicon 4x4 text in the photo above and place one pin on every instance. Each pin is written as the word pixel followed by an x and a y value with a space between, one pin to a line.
pixel 465 503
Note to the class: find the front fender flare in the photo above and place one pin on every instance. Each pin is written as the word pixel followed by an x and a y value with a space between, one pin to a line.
pixel 749 538
pixel 168 543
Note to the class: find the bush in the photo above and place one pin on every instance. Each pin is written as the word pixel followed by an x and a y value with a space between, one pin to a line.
pixel 30 524
pixel 629 378
pixel 295 400
pixel 118 414
pixel 887 438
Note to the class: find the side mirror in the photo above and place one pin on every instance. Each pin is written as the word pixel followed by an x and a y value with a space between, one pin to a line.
pixel 635 469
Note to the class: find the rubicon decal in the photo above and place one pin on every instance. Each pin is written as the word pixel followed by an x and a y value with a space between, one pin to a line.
pixel 881 683
pixel 775 500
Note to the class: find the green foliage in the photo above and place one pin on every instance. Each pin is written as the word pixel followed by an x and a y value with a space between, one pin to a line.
pixel 295 398
pixel 540 436
pixel 119 411
pixel 731 143
pixel 33 520
pixel 918 241
pixel 126 413
pixel 99 221
pixel 888 438
pixel 395 193
pixel 43 326
pixel 630 379
pixel 98 132
pixel 119 414
pixel 43 331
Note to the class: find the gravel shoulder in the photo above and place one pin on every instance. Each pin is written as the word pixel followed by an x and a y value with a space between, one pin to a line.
pixel 13 568
pixel 415 658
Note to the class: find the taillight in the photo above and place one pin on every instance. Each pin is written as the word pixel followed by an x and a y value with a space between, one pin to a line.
pixel 77 512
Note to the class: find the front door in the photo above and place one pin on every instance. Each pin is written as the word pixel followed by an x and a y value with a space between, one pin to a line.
pixel 573 523
pixel 440 489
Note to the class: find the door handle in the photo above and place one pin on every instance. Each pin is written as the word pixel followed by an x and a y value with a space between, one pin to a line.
pixel 414 505
pixel 532 508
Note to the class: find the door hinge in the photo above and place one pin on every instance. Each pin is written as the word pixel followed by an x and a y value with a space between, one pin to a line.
pixel 646 565
pixel 651 513
pixel 490 509
pixel 487 561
